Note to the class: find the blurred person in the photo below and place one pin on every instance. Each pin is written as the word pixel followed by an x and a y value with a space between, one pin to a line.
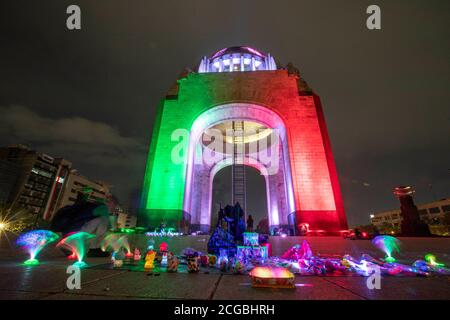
pixel 87 215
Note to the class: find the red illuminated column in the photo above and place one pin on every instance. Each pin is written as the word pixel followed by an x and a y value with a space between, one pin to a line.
pixel 316 188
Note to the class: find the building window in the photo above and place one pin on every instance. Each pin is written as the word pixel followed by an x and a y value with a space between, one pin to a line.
pixel 446 208
pixel 434 210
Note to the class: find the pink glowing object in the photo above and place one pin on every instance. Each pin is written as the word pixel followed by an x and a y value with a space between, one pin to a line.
pixel 72 256
pixel 298 252
pixel 77 243
pixel 272 277
pixel 163 246
pixel 271 272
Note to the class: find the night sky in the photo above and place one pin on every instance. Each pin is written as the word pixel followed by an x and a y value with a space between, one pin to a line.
pixel 90 96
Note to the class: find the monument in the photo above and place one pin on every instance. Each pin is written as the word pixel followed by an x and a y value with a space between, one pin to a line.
pixel 241 87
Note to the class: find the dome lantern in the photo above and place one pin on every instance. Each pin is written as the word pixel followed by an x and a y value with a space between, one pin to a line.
pixel 237 59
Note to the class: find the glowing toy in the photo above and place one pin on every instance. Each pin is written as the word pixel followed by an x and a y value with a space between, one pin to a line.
pixel 129 255
pixel 119 256
pixel 172 262
pixel 77 243
pixel 272 277
pixel 72 256
pixel 163 247
pixel 123 240
pixel 238 267
pixel 111 243
pixel 388 245
pixel 151 244
pixel 204 261
pixel 114 242
pixel 371 259
pixel 34 241
pixel 431 259
pixel 193 264
pixel 212 260
pixel 297 252
pixel 223 260
pixel 248 253
pixel 162 254
pixel 362 267
pixel 164 259
pixel 431 265
pixel 137 255
pixel 149 260
pixel 251 239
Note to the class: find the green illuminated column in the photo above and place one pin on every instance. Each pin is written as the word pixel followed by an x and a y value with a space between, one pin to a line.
pixel 164 184
pixel 164 180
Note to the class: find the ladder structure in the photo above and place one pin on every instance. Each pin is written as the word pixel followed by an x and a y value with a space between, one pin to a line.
pixel 238 181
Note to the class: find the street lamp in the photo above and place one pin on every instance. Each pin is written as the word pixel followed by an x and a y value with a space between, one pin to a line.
pixel 3 226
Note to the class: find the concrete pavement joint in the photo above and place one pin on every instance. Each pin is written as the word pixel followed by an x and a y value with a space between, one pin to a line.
pixel 346 289
pixel 216 285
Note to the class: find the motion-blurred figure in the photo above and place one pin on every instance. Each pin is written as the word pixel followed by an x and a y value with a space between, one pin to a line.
pixel 88 216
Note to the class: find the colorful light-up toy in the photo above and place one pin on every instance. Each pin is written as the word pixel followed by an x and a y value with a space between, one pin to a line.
pixel 388 245
pixel 172 262
pixel 77 243
pixel 123 240
pixel 34 241
pixel 431 259
pixel 114 242
pixel 149 260
pixel 272 277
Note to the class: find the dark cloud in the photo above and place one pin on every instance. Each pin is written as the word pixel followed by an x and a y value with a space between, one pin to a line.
pixel 94 148
pixel 21 123
pixel 385 93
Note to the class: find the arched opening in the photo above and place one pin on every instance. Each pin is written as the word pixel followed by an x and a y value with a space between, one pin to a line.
pixel 256 191
pixel 200 175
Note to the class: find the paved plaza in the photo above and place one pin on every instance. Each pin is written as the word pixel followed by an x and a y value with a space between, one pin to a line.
pixel 100 281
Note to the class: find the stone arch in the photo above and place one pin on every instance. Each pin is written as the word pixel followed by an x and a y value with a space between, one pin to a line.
pixel 199 177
